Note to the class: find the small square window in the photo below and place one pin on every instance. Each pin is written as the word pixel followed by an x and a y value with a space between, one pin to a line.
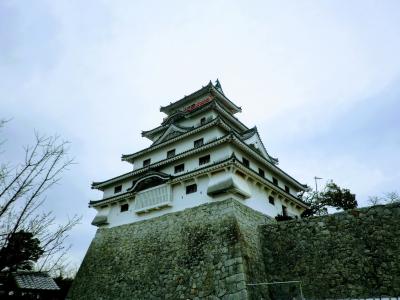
pixel 198 143
pixel 146 162
pixel 117 189
pixel 124 207
pixel 192 188
pixel 179 168
pixel 204 160
pixel 202 120
pixel 274 181
pixel 271 200
pixel 171 153
pixel 261 172
pixel 287 189
pixel 246 162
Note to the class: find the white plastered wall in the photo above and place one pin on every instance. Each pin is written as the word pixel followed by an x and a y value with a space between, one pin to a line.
pixel 180 146
pixel 180 201
pixel 257 201
pixel 254 165
pixel 108 192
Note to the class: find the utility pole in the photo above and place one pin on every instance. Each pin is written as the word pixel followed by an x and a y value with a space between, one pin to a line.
pixel 316 183
pixel 316 192
pixel 316 187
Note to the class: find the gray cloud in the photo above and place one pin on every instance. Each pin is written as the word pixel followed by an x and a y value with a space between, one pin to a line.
pixel 318 79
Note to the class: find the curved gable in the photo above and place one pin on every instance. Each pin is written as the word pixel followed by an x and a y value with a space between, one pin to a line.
pixel 171 132
pixel 149 180
pixel 253 140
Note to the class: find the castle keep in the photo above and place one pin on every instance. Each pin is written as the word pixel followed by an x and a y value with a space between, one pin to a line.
pixel 201 153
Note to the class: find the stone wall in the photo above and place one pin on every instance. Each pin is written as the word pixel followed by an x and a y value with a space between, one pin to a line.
pixel 215 250
pixel 351 254
pixel 207 252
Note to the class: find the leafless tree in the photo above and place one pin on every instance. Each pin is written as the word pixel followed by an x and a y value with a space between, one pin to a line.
pixel 22 195
pixel 374 200
pixel 392 197
pixel 387 198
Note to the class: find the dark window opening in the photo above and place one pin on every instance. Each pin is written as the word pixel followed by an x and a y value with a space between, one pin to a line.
pixel 287 189
pixel 124 207
pixel 261 172
pixel 246 162
pixel 198 143
pixel 204 160
pixel 179 168
pixel 284 211
pixel 146 162
pixel 271 200
pixel 117 189
pixel 202 120
pixel 192 188
pixel 274 181
pixel 171 153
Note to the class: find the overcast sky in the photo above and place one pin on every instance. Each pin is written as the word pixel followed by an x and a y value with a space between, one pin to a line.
pixel 320 80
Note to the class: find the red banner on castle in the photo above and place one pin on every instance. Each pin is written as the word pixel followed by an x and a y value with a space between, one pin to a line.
pixel 198 104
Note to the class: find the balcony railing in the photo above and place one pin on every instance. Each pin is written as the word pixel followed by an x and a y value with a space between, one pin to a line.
pixel 153 198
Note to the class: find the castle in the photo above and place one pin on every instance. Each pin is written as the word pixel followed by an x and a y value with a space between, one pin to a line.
pixel 200 153
pixel 194 220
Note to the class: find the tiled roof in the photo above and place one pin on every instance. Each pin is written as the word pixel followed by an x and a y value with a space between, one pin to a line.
pixel 127 157
pixel 208 88
pixel 34 281
pixel 98 185
pixel 236 138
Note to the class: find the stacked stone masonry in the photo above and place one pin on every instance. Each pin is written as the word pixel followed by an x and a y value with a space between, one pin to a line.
pixel 214 250
pixel 206 252
pixel 353 254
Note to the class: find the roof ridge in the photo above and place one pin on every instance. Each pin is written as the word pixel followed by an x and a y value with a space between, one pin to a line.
pixel 210 87
pixel 188 96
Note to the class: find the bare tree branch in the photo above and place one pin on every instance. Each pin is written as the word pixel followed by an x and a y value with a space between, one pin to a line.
pixel 374 200
pixel 22 189
pixel 392 197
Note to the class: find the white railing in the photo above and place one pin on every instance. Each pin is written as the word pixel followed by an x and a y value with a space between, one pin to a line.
pixel 153 198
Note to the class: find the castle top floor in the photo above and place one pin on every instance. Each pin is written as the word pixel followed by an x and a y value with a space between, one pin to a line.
pixel 206 94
